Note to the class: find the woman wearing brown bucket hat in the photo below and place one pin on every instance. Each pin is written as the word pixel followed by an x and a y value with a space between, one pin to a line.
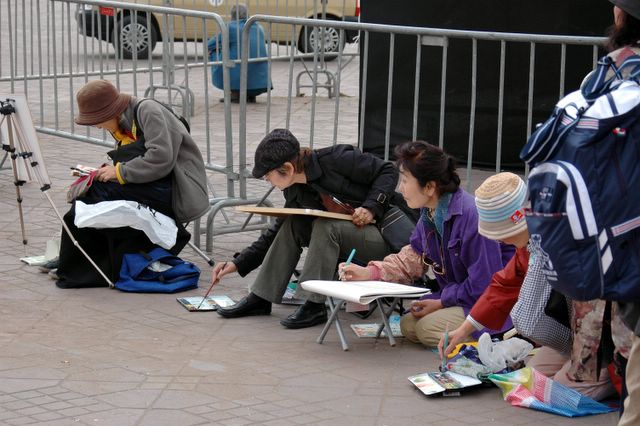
pixel 155 162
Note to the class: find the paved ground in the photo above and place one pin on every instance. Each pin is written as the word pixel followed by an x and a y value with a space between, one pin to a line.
pixel 99 356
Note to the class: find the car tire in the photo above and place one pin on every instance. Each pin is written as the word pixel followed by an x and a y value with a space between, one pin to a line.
pixel 307 41
pixel 134 37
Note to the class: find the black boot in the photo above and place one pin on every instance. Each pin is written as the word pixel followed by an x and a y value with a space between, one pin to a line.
pixel 247 306
pixel 306 315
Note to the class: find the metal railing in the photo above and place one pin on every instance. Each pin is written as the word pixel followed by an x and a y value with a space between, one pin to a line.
pixel 49 59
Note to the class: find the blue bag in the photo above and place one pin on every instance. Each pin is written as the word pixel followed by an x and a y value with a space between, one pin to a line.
pixel 584 219
pixel 170 275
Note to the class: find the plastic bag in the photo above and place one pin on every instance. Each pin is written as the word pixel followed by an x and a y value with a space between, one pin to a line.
pixel 504 354
pixel 467 363
pixel 159 228
pixel 530 388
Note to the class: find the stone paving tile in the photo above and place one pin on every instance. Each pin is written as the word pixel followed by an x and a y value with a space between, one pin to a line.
pixel 201 409
pixel 113 417
pixel 236 421
pixel 6 415
pixel 279 422
pixel 82 402
pixel 21 421
pixel 74 411
pixel 217 416
pixel 30 411
pixel 48 416
pixel 102 357
pixel 17 405
pixel 172 399
pixel 99 407
pixel 26 395
pixel 169 418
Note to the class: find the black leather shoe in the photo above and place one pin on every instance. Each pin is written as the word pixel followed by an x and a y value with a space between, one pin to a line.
pixel 247 306
pixel 306 315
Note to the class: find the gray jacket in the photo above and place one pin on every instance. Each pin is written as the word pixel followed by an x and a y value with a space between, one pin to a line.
pixel 169 148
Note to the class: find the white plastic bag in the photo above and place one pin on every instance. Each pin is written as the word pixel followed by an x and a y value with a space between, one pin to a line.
pixel 499 355
pixel 159 228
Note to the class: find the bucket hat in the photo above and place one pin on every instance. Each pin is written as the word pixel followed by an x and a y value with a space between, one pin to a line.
pixel 99 101
pixel 500 203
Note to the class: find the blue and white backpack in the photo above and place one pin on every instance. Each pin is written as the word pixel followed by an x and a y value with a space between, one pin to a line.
pixel 584 187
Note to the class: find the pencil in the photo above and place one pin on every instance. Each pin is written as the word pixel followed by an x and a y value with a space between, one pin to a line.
pixel 350 258
pixel 211 286
pixel 348 262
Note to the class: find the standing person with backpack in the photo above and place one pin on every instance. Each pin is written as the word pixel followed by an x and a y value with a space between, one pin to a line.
pixel 624 41
pixel 155 162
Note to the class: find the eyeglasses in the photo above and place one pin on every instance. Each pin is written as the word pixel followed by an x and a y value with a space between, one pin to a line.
pixel 437 267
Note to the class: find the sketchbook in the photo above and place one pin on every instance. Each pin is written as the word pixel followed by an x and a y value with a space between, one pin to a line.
pixel 286 211
pixel 370 329
pixel 35 260
pixel 437 382
pixel 211 303
pixel 363 291
pixel 80 170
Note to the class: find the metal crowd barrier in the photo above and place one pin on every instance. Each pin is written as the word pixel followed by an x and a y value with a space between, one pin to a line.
pixel 424 37
pixel 304 121
pixel 53 47
pixel 49 60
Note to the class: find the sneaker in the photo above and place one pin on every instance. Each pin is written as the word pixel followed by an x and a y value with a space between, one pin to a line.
pixel 52 264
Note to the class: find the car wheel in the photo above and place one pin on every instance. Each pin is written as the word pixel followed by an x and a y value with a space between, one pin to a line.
pixel 311 40
pixel 134 37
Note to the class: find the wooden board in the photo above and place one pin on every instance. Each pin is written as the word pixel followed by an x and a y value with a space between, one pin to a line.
pixel 282 211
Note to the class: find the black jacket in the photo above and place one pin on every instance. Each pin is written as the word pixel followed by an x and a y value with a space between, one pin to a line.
pixel 343 171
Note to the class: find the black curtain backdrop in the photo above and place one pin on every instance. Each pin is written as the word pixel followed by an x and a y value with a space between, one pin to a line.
pixel 573 17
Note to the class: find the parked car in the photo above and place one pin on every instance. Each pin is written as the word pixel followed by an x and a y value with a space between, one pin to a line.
pixel 136 33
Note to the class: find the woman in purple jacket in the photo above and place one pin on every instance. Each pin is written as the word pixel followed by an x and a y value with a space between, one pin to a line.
pixel 446 240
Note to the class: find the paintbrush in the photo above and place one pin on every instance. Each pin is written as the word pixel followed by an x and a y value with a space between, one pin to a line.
pixel 211 286
pixel 443 367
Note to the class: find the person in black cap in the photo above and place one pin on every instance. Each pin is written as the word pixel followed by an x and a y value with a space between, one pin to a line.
pixel 340 179
pixel 624 41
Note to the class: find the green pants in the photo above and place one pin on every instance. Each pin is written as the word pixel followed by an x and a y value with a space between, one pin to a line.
pixel 329 241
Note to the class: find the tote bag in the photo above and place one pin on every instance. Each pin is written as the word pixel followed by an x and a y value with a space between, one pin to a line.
pixel 528 314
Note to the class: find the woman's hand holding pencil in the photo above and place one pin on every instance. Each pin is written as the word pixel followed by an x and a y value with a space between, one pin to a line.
pixel 353 272
pixel 455 337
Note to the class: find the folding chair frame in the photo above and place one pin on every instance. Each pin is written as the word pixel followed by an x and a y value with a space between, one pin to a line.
pixel 333 319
